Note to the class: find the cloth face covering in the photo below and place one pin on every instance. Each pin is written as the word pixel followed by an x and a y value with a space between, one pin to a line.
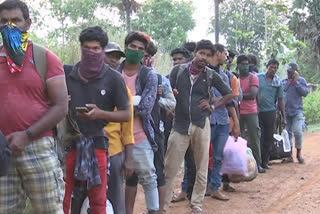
pixel 243 70
pixel 134 56
pixel 91 63
pixel 15 44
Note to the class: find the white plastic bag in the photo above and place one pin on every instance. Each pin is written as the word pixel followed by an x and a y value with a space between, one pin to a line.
pixel 235 157
pixel 286 141
pixel 86 206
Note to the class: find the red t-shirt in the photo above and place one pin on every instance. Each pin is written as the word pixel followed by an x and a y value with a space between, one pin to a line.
pixel 248 106
pixel 23 95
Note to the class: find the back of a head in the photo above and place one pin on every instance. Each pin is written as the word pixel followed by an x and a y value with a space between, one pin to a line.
pixel 218 48
pixel 190 46
pixel 152 49
pixel 204 44
pixel 181 50
pixel 137 36
pixel 94 34
pixel 231 53
pixel 292 66
pixel 253 60
pixel 15 4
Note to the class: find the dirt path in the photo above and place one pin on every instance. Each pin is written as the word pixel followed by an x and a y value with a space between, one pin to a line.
pixel 285 189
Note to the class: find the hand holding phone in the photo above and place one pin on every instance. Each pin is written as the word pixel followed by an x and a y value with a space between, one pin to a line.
pixel 82 109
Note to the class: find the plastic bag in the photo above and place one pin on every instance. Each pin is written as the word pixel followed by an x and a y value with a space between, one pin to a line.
pixel 85 207
pixel 235 157
pixel 252 170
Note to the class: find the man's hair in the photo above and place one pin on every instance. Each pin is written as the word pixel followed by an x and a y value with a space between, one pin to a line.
pixel 190 46
pixel 231 53
pixel 181 50
pixel 136 36
pixel 15 4
pixel 152 49
pixel 94 34
pixel 242 58
pixel 204 44
pixel 218 48
pixel 273 62
pixel 252 59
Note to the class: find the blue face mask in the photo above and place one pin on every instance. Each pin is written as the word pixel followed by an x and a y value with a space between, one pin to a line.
pixel 15 42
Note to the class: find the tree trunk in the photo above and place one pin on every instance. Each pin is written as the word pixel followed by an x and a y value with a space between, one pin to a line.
pixel 217 20
pixel 127 6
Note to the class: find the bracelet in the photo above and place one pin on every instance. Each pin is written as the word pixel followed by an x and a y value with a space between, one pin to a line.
pixel 29 133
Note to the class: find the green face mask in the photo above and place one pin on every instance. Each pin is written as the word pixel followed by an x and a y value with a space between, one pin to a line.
pixel 243 69
pixel 133 56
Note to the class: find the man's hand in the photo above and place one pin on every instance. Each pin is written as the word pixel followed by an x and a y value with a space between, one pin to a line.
pixel 18 141
pixel 93 114
pixel 175 92
pixel 284 122
pixel 205 106
pixel 295 76
pixel 160 90
pixel 235 132
pixel 128 168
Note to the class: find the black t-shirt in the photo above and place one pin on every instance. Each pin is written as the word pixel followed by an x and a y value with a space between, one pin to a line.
pixel 107 91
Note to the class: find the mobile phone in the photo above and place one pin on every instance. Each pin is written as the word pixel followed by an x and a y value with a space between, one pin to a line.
pixel 82 109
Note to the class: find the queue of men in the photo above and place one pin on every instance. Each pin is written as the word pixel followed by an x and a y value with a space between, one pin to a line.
pixel 124 114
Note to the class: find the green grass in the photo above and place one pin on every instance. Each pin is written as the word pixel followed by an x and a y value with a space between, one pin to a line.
pixel 313 127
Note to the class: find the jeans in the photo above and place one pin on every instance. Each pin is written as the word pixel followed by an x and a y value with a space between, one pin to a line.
pixel 219 137
pixel 145 173
pixel 115 183
pixel 294 126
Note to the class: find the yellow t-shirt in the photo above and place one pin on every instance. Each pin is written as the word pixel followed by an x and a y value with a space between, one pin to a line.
pixel 120 134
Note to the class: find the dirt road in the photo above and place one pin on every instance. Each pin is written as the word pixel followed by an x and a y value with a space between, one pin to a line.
pixel 284 189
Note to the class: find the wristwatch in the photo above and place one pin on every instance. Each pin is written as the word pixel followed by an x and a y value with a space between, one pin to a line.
pixel 213 107
pixel 29 133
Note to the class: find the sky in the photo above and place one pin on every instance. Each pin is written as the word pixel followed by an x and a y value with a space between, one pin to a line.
pixel 203 12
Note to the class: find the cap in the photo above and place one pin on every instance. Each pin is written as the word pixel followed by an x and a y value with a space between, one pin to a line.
pixel 114 47
pixel 292 67
pixel 5 155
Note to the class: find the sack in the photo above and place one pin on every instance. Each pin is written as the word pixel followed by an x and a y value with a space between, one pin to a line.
pixel 235 157
pixel 281 147
pixel 252 172
pixel 85 209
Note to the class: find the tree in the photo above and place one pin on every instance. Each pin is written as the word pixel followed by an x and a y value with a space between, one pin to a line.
pixel 166 21
pixel 305 23
pixel 242 24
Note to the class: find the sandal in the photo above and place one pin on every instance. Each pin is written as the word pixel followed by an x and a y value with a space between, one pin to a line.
pixel 179 196
pixel 301 160
pixel 196 210
pixel 287 160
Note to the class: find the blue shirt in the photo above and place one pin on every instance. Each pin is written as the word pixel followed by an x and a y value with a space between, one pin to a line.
pixel 269 92
pixel 294 94
pixel 220 116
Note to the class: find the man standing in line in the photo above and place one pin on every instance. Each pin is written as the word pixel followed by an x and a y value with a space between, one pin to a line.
pixel 95 91
pixel 249 119
pixel 142 82
pixel 26 118
pixel 295 88
pixel 121 140
pixel 192 84
pixel 270 92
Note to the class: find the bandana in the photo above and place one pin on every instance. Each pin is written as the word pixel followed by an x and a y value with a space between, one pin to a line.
pixel 91 63
pixel 15 44
pixel 194 70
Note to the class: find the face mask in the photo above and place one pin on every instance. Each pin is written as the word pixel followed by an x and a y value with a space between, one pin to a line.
pixel 243 70
pixel 15 44
pixel 91 63
pixel 133 56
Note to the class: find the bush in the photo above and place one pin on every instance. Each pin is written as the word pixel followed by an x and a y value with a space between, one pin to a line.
pixel 312 107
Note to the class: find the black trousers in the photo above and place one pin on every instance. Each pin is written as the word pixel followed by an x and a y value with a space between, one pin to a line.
pixel 267 125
